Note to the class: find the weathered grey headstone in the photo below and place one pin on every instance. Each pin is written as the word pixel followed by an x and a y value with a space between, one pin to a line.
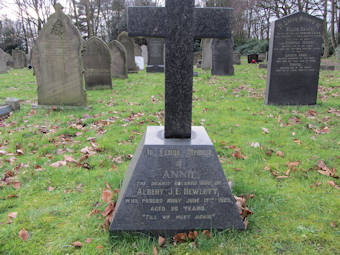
pixel 138 50
pixel 206 53
pixel 58 62
pixel 9 61
pixel 119 68
pixel 129 45
pixel 97 64
pixel 174 184
pixel 222 57
pixel 294 60
pixel 237 58
pixel 19 59
pixel 338 53
pixel 3 62
pixel 145 53
pixel 155 55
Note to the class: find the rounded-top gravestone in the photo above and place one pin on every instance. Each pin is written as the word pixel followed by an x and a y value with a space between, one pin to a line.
pixel 97 64
pixel 129 45
pixel 119 68
pixel 19 59
pixel 3 62
pixel 58 62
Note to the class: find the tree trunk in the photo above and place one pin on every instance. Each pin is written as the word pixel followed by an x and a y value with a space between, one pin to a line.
pixel 88 19
pixel 325 32
pixel 334 43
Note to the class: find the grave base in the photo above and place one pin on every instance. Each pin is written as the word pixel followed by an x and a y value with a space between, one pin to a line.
pixel 175 185
pixel 155 69
pixel 61 107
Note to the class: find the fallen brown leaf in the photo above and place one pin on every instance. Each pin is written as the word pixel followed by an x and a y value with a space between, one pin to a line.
pixel 88 240
pixel 107 195
pixel 77 244
pixel 333 184
pixel 180 237
pixel 23 234
pixel 280 154
pixel 206 233
pixel 161 241
pixel 58 164
pixel 154 250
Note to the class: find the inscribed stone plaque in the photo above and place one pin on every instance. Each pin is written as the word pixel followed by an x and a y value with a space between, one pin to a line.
pixel 19 59
pixel 129 45
pixel 58 63
pixel 3 62
pixel 222 57
pixel 294 60
pixel 119 68
pixel 97 64
pixel 175 185
pixel 206 53
pixel 155 55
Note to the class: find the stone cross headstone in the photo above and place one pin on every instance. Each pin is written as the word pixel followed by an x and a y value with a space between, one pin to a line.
pixel 145 53
pixel 129 45
pixel 19 59
pixel 58 62
pixel 119 68
pixel 294 60
pixel 97 64
pixel 222 57
pixel 175 182
pixel 237 58
pixel 206 53
pixel 3 62
pixel 155 55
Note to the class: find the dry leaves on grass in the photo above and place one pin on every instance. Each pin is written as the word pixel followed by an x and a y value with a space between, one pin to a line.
pixel 77 244
pixel 333 184
pixel 324 170
pixel 242 207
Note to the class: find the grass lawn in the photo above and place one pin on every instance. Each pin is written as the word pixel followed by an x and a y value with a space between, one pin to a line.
pixel 296 209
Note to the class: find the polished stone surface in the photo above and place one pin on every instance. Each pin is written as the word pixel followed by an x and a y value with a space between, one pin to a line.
pixel 294 60
pixel 222 57
pixel 179 23
pixel 175 185
pixel 97 64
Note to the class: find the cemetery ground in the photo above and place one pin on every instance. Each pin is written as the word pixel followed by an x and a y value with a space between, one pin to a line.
pixel 58 166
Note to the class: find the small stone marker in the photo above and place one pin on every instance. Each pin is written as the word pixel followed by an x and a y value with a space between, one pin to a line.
pixel 262 57
pixel 97 64
pixel 237 58
pixel 58 64
pixel 263 66
pixel 222 57
pixel 155 55
pixel 5 110
pixel 206 53
pixel 3 62
pixel 119 68
pixel 14 103
pixel 129 45
pixel 175 182
pixel 19 59
pixel 294 60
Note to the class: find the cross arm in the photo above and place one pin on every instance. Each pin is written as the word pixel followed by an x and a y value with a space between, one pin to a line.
pixel 213 22
pixel 147 21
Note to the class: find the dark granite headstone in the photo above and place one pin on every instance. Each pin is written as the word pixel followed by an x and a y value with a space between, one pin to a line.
pixel 222 57
pixel 175 184
pixel 97 64
pixel 129 45
pixel 155 55
pixel 252 57
pixel 294 60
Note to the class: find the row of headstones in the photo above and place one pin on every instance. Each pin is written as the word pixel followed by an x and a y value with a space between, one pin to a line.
pixel 17 60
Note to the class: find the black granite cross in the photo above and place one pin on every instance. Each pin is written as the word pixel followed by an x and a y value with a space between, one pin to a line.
pixel 179 23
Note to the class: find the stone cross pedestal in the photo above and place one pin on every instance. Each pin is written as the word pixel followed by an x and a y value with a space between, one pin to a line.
pixel 175 182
